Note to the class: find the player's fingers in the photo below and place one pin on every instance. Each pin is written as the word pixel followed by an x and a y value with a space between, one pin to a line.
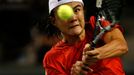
pixel 76 68
pixel 86 68
pixel 74 71
pixel 86 48
pixel 92 52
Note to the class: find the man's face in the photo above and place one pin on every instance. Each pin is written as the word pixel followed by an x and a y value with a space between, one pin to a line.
pixel 75 25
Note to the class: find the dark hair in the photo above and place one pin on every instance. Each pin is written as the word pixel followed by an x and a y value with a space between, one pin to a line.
pixel 46 27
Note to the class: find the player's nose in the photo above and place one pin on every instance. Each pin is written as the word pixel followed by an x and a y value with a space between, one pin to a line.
pixel 73 18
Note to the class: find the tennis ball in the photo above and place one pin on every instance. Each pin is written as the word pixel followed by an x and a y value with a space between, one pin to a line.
pixel 65 12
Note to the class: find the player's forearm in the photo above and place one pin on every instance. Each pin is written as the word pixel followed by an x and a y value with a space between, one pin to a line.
pixel 112 49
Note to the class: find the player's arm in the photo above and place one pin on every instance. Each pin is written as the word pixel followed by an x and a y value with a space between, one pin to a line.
pixel 115 45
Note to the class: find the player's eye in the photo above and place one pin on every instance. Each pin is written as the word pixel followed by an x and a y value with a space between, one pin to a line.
pixel 77 10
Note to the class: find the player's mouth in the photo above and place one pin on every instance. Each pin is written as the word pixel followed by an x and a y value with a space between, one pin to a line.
pixel 74 24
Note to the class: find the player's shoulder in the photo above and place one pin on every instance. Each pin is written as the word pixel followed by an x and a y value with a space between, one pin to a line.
pixel 56 50
pixel 54 54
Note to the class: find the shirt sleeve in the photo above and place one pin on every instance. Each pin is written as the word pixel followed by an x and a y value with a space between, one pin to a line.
pixel 105 23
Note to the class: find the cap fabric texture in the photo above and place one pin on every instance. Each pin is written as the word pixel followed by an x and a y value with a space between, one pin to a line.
pixel 54 3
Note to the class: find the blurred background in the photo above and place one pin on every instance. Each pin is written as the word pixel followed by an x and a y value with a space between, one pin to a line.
pixel 23 46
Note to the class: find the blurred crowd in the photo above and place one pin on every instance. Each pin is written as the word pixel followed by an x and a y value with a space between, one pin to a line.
pixel 20 39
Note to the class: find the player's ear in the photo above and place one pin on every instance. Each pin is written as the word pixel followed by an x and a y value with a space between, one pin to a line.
pixel 52 20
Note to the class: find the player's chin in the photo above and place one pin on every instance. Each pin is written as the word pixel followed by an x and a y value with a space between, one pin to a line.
pixel 76 31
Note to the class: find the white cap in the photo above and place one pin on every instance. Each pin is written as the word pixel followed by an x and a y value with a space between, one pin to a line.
pixel 54 3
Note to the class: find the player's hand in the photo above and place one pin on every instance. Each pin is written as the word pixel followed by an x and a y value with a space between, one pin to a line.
pixel 80 69
pixel 90 56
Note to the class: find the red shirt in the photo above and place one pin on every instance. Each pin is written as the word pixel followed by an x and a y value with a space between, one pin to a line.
pixel 61 57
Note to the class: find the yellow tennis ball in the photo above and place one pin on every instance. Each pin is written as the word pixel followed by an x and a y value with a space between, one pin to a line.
pixel 65 12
